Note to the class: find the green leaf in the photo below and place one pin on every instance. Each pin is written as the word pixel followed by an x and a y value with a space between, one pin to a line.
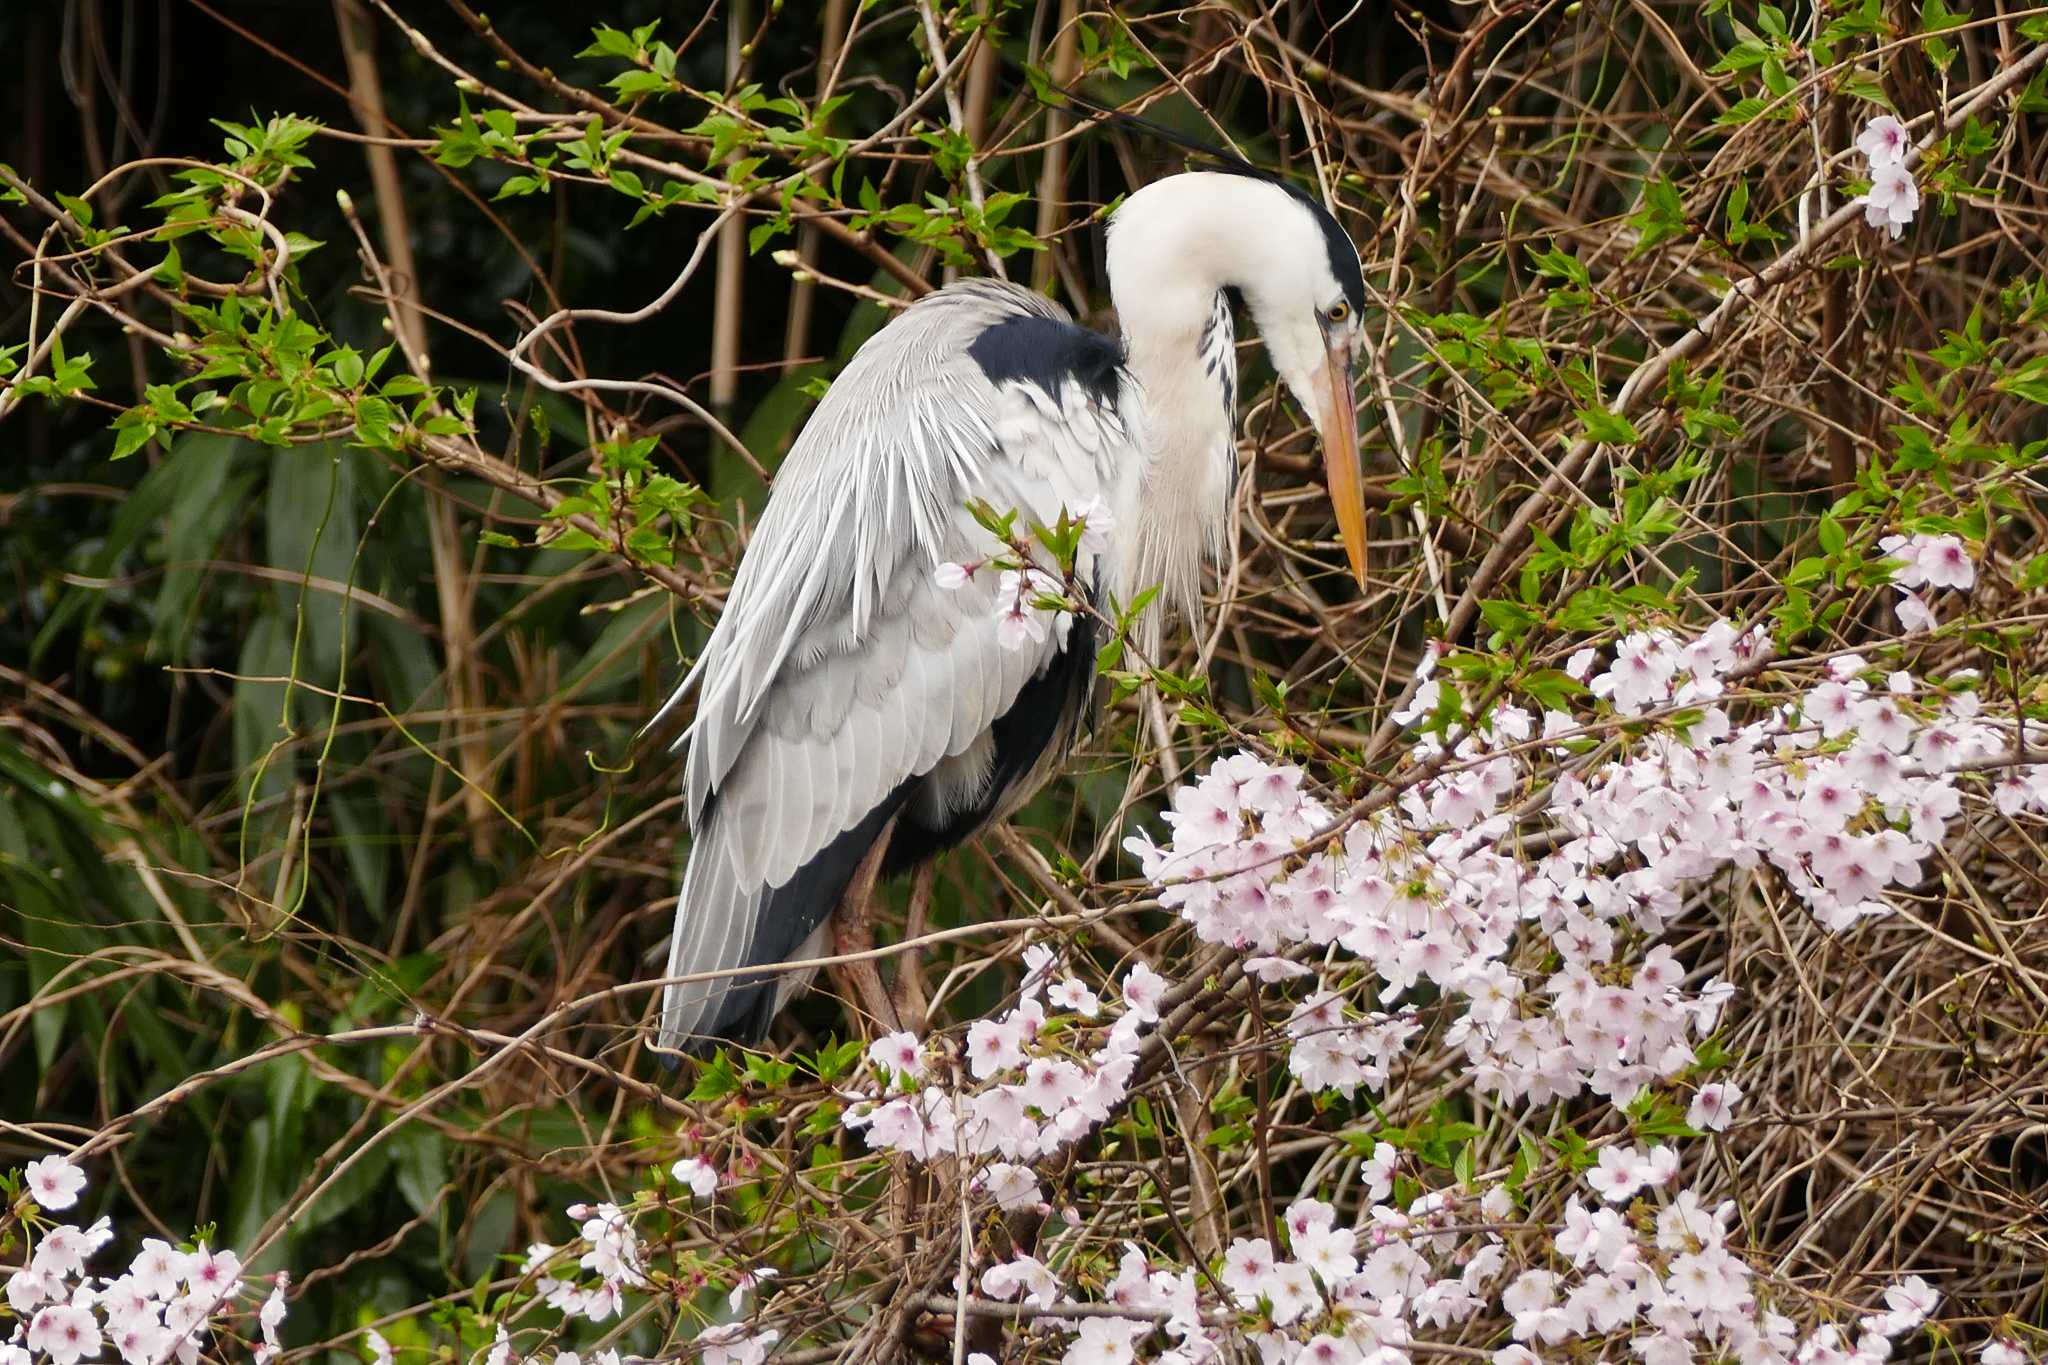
pixel 1745 110
pixel 1744 56
pixel 1511 619
pixel 1662 215
pixel 521 185
pixel 629 84
pixel 1937 17
pixel 131 438
pixel 1832 537
pixel 1608 427
pixel 609 42
pixel 2030 381
pixel 1859 85
pixel 715 1079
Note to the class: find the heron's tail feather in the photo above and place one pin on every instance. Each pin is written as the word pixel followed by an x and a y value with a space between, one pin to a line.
pixel 723 925
pixel 716 922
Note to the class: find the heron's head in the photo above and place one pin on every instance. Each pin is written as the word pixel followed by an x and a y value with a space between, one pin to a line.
pixel 1297 272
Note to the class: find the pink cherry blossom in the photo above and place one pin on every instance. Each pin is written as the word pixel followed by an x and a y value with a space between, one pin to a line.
pixel 1933 561
pixel 64 1333
pixel 699 1175
pixel 732 1344
pixel 1018 621
pixel 1892 200
pixel 1143 991
pixel 900 1053
pixel 1011 1186
pixel 1097 524
pixel 159 1268
pixel 1915 616
pixel 1884 141
pixel 212 1276
pixel 1074 996
pixel 994 1046
pixel 1023 1275
pixel 1713 1106
pixel 54 1183
pixel 1105 1341
pixel 1620 1172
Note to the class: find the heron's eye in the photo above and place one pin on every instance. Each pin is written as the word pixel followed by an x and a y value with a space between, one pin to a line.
pixel 1338 311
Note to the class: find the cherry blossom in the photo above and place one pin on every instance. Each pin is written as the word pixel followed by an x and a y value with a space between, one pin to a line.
pixel 212 1276
pixel 1011 1186
pixel 54 1183
pixel 1540 969
pixel 1097 523
pixel 1018 621
pixel 159 1268
pixel 1907 1304
pixel 899 1052
pixel 270 1317
pixel 65 1333
pixel 614 1246
pixel 1143 992
pixel 1893 197
pixel 700 1175
pixel 1105 1341
pixel 1023 1275
pixel 732 1344
pixel 64 1249
pixel 1073 995
pixel 1884 141
pixel 1892 200
pixel 1931 561
pixel 158 1311
pixel 1713 1106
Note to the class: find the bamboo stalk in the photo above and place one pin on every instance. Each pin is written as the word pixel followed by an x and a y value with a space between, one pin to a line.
pixel 803 295
pixel 454 590
pixel 732 256
pixel 1052 176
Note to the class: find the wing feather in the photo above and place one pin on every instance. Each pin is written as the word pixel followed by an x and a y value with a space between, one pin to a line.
pixel 840 676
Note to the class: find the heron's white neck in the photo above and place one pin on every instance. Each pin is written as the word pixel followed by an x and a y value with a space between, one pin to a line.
pixel 1174 247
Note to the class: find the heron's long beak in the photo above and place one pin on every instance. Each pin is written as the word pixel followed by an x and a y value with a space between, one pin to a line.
pixel 1337 424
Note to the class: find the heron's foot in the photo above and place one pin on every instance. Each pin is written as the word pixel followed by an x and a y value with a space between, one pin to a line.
pixel 912 1008
pixel 853 933
pixel 861 990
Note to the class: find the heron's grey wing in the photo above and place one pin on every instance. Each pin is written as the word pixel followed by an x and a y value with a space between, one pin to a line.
pixel 841 673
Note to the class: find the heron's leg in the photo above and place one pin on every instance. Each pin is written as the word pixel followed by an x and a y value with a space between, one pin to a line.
pixel 910 1001
pixel 853 931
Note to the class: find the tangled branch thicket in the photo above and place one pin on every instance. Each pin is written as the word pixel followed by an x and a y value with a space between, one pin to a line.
pixel 378 474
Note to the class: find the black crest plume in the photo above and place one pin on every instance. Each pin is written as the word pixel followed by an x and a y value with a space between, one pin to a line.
pixel 1344 260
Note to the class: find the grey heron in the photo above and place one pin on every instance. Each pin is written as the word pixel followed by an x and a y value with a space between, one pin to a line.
pixel 855 717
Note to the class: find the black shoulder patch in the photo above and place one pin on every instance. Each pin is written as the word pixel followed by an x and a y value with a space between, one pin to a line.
pixel 1048 354
pixel 1060 693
